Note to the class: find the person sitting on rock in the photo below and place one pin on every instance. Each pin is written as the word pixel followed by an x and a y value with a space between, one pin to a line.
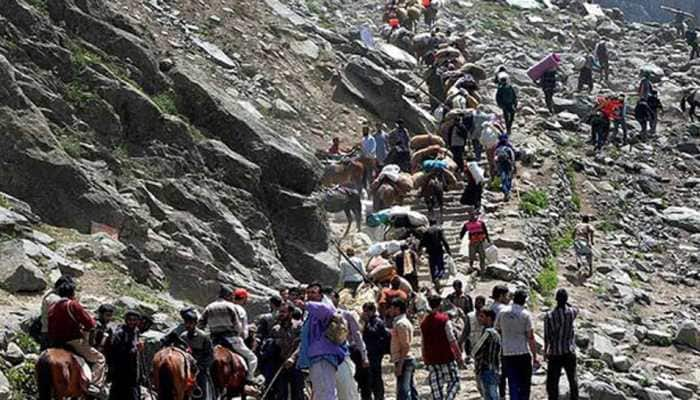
pixel 583 243
pixel 478 237
pixel 67 320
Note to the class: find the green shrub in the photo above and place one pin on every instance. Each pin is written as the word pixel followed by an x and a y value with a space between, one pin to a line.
pixel 4 202
pixel 22 382
pixel 40 5
pixel 26 343
pixel 71 145
pixel 563 242
pixel 495 184
pixel 166 102
pixel 78 94
pixel 548 278
pixel 533 201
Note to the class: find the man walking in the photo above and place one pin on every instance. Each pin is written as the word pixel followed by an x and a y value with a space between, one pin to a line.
pixel 601 53
pixel 655 105
pixel 401 356
pixel 285 337
pixel 441 352
pixel 475 327
pixel 317 352
pixel 519 348
pixel 507 100
pixel 620 118
pixel 463 303
pixel 487 357
pixel 202 350
pixel 124 359
pixel 399 147
pixel 548 83
pixel 478 237
pixel 560 346
pixel 368 156
pixel 377 339
pixel 583 243
pixel 351 271
pixel 381 140
pixel 436 246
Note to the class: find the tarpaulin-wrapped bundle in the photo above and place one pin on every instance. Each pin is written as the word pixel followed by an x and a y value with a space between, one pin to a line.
pixel 431 165
pixel 405 286
pixel 419 142
pixel 476 71
pixel 550 62
pixel 390 246
pixel 405 183
pixel 376 262
pixel 383 273
pixel 378 218
pixel 476 172
pixel 428 152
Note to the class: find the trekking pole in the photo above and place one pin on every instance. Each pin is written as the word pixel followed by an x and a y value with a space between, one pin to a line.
pixel 272 382
pixel 342 253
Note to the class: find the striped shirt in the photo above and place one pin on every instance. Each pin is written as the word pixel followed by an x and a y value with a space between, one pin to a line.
pixel 559 331
pixel 487 352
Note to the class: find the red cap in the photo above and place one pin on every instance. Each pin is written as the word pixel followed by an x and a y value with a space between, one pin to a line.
pixel 240 294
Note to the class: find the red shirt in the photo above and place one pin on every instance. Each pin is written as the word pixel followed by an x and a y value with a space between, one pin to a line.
pixel 67 319
pixel 436 346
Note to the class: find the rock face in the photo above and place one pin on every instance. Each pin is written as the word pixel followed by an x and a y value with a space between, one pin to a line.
pixel 688 335
pixel 218 198
pixel 683 217
pixel 382 94
pixel 18 272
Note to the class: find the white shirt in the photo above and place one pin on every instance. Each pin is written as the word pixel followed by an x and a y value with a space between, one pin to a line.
pixel 350 273
pixel 515 323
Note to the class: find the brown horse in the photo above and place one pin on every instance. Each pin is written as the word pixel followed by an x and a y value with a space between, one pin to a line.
pixel 385 196
pixel 433 192
pixel 346 173
pixel 174 374
pixel 59 376
pixel 229 374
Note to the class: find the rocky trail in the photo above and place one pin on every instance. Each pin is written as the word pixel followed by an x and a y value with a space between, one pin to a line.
pixel 155 149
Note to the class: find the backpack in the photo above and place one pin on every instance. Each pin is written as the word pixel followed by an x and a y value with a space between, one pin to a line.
pixel 337 329
pixel 504 154
pixel 384 336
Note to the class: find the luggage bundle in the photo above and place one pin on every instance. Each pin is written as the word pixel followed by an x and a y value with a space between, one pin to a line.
pixel 401 181
pixel 419 142
pixel 551 61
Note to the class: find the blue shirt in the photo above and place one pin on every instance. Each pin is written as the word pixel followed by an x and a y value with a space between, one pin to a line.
pixel 369 147
pixel 380 139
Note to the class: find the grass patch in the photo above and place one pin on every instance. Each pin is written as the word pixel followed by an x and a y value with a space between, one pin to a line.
pixel 576 201
pixel 78 94
pixel 125 286
pixel 82 58
pixel 4 202
pixel 40 5
pixel 562 242
pixel 26 343
pixel 495 184
pixel 121 151
pixel 71 145
pixel 166 102
pixel 607 226
pixel 314 6
pixel 22 381
pixel 548 278
pixel 532 201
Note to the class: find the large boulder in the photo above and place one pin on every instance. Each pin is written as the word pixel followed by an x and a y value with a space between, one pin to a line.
pixel 5 390
pixel 683 217
pixel 18 272
pixel 598 390
pixel 602 348
pixel 282 160
pixel 384 95
pixel 688 335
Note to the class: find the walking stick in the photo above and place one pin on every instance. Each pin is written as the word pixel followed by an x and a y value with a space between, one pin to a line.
pixel 272 382
pixel 345 256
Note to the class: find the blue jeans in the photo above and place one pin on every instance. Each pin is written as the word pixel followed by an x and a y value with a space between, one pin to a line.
pixel 489 384
pixel 505 172
pixel 478 149
pixel 518 371
pixel 405 385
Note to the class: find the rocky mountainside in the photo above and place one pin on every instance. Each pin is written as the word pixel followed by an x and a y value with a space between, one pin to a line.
pixel 649 11
pixel 157 148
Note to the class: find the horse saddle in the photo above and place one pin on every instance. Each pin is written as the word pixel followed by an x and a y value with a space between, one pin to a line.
pixel 235 356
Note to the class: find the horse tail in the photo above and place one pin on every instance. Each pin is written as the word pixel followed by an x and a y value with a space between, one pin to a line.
pixel 43 377
pixel 166 382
